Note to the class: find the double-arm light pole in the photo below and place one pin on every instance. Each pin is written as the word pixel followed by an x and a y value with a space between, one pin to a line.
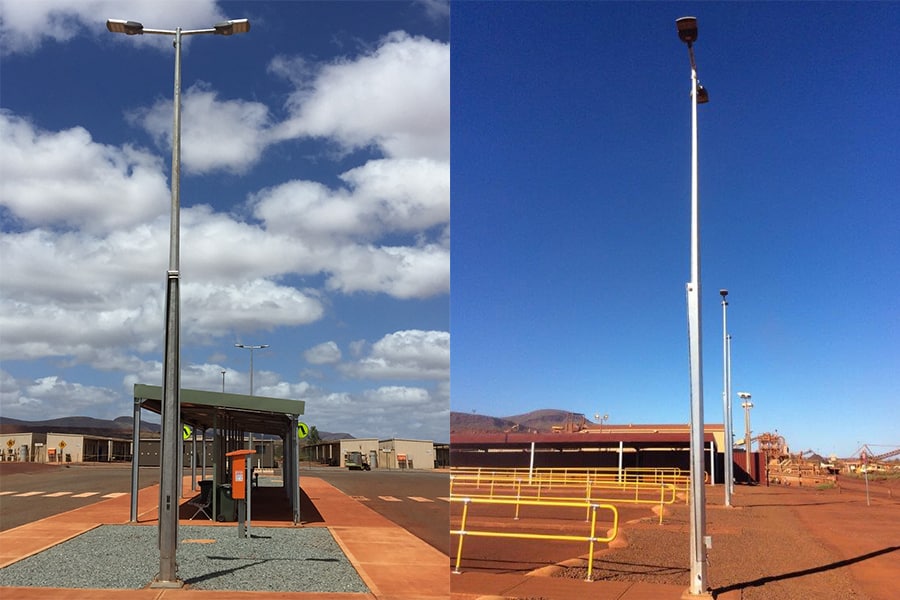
pixel 687 32
pixel 171 405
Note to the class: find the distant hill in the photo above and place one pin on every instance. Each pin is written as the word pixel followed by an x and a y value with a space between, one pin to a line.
pixel 118 427
pixel 540 421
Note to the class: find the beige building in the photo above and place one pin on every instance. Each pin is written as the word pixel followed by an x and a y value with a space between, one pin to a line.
pixel 64 448
pixel 381 454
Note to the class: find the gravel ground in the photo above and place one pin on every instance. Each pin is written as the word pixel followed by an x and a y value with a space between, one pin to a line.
pixel 209 558
pixel 750 548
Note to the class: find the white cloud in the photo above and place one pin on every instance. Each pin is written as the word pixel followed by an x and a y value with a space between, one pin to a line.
pixel 215 134
pixel 402 272
pixel 211 309
pixel 65 179
pixel 27 24
pixel 413 354
pixel 326 353
pixel 404 86
pixel 383 412
pixel 382 196
pixel 53 397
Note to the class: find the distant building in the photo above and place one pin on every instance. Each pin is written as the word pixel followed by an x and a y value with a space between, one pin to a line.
pixel 393 453
pixel 64 448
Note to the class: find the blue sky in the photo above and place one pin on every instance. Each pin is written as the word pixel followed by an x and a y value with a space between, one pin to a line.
pixel 315 207
pixel 571 213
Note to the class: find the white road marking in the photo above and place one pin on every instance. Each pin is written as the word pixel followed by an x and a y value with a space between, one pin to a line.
pixel 390 499
pixel 85 495
pixel 7 493
pixel 56 494
pixel 420 499
pixel 444 499
pixel 115 494
pixel 360 498
pixel 29 494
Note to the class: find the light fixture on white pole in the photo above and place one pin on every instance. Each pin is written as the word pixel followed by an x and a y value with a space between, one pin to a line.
pixel 171 404
pixel 250 433
pixel 746 405
pixel 728 475
pixel 687 32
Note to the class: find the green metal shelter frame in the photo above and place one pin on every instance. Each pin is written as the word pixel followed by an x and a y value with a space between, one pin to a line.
pixel 230 416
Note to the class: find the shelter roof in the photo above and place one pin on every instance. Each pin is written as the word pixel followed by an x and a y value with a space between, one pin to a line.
pixel 255 414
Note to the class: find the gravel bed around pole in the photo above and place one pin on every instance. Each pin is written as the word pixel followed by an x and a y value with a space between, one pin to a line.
pixel 209 558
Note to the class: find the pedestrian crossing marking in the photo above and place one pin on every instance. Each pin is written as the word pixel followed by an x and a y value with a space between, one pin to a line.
pixel 444 499
pixel 420 499
pixel 390 499
pixel 60 494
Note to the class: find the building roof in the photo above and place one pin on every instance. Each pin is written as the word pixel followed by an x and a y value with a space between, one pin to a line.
pixel 632 436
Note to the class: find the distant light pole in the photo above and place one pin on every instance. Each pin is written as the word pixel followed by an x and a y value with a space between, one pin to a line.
pixel 171 404
pixel 726 398
pixel 223 382
pixel 687 32
pixel 601 420
pixel 251 349
pixel 746 405
pixel 250 433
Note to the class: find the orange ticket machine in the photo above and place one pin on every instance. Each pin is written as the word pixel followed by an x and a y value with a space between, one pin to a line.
pixel 240 491
pixel 239 473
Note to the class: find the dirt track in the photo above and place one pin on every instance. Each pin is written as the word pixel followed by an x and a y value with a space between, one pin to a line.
pixel 776 543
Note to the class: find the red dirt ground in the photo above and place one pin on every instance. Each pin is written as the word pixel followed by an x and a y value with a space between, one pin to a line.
pixel 775 543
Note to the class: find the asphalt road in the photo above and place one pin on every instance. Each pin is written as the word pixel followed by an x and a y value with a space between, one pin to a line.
pixel 414 500
pixel 90 482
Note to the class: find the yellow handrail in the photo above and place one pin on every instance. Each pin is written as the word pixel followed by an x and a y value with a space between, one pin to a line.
pixel 591 538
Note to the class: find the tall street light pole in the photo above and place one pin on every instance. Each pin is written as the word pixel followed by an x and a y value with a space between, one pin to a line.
pixel 687 32
pixel 251 349
pixel 250 433
pixel 730 423
pixel 726 398
pixel 746 405
pixel 171 405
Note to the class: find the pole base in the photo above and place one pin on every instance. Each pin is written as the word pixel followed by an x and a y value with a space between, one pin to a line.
pixel 687 595
pixel 167 585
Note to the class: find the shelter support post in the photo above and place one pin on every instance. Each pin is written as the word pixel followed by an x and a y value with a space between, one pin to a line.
pixel 135 457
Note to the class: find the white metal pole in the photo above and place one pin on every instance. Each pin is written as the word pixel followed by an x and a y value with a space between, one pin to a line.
pixel 725 399
pixel 698 492
pixel 531 464
pixel 729 421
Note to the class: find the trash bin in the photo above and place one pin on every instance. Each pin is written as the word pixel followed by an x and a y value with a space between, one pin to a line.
pixel 226 507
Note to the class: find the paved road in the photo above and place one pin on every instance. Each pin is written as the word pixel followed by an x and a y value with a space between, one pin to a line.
pixel 29 492
pixel 415 500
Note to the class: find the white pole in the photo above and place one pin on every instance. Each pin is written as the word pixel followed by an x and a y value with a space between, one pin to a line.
pixel 531 463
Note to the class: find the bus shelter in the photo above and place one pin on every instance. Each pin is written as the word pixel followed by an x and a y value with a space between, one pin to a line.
pixel 230 417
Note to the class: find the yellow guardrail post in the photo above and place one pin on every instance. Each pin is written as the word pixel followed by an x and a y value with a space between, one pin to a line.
pixel 462 534
pixel 593 539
